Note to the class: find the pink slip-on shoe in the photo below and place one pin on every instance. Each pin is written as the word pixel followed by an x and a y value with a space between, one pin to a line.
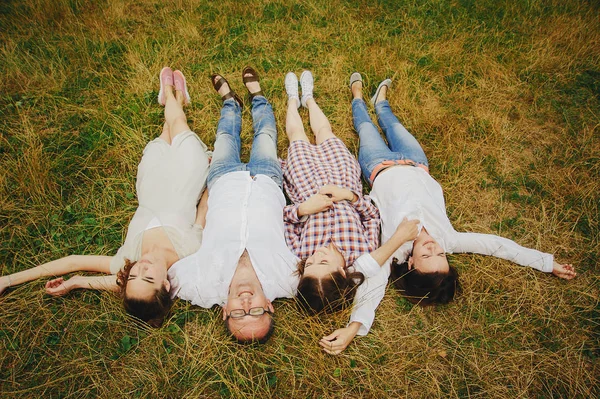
pixel 166 79
pixel 181 85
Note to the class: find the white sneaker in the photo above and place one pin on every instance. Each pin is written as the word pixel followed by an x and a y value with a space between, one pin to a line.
pixel 307 83
pixel 291 87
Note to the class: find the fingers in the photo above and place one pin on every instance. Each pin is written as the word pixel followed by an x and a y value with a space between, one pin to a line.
pixel 55 282
pixel 334 347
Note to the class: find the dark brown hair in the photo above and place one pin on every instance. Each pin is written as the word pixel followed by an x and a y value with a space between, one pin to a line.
pixel 253 340
pixel 425 288
pixel 329 294
pixel 154 310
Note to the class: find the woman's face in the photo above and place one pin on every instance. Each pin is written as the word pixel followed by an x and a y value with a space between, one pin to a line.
pixel 146 277
pixel 325 261
pixel 428 256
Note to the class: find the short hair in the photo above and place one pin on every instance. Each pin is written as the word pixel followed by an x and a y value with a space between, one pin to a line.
pixel 328 294
pixel 153 310
pixel 425 288
pixel 252 340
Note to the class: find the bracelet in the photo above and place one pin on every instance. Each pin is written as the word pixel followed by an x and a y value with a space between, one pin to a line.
pixel 9 280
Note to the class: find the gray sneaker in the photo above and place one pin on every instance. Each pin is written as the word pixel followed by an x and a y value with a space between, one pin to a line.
pixel 291 87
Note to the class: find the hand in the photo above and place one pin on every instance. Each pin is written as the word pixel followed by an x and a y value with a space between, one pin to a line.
pixel 408 229
pixel 566 271
pixel 315 204
pixel 339 340
pixel 337 193
pixel 60 286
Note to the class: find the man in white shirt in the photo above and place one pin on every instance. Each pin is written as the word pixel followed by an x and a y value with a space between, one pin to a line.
pixel 244 262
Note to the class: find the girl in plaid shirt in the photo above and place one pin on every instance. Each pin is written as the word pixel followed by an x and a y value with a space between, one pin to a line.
pixel 331 226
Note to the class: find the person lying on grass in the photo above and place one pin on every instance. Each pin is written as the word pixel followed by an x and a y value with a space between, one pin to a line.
pixel 331 226
pixel 166 226
pixel 402 188
pixel 244 262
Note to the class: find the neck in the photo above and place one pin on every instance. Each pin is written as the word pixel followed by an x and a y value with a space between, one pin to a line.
pixel 244 276
pixel 155 241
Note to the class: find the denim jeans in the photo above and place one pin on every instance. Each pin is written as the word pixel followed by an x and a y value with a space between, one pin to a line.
pixel 263 156
pixel 373 150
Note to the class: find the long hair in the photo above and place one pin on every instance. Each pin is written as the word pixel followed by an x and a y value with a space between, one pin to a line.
pixel 154 310
pixel 328 294
pixel 425 288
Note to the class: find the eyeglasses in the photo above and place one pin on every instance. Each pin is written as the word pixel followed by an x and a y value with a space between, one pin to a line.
pixel 239 313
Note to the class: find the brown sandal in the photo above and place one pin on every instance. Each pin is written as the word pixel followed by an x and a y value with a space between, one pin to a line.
pixel 252 78
pixel 218 83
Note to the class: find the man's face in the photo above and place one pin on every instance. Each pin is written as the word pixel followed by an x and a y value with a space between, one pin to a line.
pixel 248 327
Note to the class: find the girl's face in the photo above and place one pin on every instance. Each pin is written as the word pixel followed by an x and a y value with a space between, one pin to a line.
pixel 325 261
pixel 146 277
pixel 428 256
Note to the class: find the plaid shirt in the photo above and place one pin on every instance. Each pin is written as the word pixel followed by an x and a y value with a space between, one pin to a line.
pixel 352 227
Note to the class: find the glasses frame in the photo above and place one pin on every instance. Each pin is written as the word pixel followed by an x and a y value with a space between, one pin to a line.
pixel 248 313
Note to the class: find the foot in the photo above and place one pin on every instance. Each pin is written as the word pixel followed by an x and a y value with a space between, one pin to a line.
pixel 307 84
pixel 381 92
pixel 181 86
pixel 291 88
pixel 166 83
pixel 224 89
pixel 253 87
pixel 356 85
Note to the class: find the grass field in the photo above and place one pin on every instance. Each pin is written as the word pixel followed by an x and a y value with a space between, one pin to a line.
pixel 503 95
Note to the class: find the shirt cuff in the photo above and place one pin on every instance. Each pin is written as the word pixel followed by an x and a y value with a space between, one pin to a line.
pixel 367 265
pixel 290 214
pixel 364 327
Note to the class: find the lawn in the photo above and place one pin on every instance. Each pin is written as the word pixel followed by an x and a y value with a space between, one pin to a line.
pixel 503 95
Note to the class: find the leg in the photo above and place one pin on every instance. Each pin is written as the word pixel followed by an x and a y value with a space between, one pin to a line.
pixel 293 123
pixel 263 156
pixel 399 139
pixel 226 156
pixel 318 122
pixel 165 135
pixel 372 150
pixel 174 116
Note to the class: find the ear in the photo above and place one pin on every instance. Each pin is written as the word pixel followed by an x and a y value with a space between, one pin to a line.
pixel 167 285
pixel 270 306
pixel 224 309
pixel 410 262
pixel 342 270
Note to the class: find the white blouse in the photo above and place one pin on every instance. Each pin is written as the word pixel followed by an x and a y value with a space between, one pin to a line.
pixel 406 191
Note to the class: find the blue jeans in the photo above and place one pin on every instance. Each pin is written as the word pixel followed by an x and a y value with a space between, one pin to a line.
pixel 263 156
pixel 373 150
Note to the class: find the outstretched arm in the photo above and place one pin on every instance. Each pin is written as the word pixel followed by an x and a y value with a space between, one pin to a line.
pixel 60 286
pixel 369 293
pixel 500 247
pixel 58 267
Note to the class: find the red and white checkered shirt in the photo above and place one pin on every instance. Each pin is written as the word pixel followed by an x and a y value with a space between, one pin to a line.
pixel 352 227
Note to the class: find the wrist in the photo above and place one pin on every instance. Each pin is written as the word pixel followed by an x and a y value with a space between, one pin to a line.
pixel 352 197
pixel 355 326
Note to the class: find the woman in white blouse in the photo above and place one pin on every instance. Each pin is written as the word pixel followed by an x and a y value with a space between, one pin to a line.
pixel 402 188
pixel 166 226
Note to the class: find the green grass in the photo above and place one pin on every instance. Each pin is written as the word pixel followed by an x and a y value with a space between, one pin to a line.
pixel 503 95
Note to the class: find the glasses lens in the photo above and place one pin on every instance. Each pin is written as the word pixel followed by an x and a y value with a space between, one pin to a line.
pixel 256 311
pixel 235 313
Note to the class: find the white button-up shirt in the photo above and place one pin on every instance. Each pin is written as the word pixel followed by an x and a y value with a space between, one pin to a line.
pixel 406 191
pixel 243 213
